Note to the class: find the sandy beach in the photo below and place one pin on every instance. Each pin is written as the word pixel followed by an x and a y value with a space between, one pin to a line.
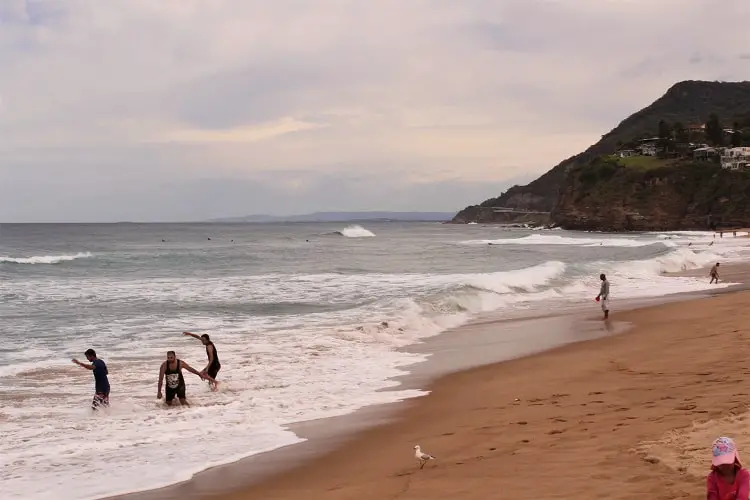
pixel 627 416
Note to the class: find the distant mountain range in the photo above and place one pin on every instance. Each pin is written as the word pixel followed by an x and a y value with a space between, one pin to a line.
pixel 344 217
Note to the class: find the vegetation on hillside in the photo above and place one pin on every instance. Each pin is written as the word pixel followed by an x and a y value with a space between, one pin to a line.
pixel 717 104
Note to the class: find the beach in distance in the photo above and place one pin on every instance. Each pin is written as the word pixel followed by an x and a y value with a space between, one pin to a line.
pixel 321 322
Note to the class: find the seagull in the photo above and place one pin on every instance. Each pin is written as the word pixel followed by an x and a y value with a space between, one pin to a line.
pixel 422 458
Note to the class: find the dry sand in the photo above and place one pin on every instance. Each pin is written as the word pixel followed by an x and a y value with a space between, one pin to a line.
pixel 630 416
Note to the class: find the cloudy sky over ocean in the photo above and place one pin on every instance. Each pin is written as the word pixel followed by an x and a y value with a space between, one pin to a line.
pixel 192 109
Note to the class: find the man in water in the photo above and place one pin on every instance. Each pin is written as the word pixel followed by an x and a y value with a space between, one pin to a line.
pixel 172 370
pixel 101 382
pixel 604 295
pixel 714 274
pixel 213 366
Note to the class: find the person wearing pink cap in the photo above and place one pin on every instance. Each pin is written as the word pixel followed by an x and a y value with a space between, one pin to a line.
pixel 728 480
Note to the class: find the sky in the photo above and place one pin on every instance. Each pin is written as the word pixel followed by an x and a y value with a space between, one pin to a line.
pixel 173 110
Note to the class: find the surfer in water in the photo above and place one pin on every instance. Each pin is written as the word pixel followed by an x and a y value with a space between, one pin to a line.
pixel 101 382
pixel 213 366
pixel 172 370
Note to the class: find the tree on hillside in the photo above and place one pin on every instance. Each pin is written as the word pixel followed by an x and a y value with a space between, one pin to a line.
pixel 737 139
pixel 665 130
pixel 665 136
pixel 714 133
pixel 681 134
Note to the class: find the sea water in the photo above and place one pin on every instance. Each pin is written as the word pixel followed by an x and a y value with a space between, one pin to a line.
pixel 308 320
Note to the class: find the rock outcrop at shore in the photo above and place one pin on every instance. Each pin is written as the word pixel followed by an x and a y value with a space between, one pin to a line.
pixel 687 102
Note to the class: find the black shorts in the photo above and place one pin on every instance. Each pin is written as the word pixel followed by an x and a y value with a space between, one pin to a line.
pixel 101 400
pixel 178 391
pixel 213 370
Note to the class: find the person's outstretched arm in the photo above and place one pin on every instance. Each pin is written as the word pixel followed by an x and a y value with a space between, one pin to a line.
pixel 188 334
pixel 83 365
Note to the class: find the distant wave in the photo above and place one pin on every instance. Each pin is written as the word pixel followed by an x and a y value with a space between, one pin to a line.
pixel 45 259
pixel 540 239
pixel 355 232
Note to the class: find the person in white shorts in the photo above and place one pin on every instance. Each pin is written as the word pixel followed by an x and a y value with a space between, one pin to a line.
pixel 604 295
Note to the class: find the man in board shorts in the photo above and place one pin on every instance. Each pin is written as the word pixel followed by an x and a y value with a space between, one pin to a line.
pixel 171 369
pixel 213 366
pixel 101 382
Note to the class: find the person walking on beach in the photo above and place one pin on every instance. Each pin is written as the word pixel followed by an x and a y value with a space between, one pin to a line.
pixel 604 295
pixel 213 366
pixel 172 370
pixel 714 274
pixel 101 382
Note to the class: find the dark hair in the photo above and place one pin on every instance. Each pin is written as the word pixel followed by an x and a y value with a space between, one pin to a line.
pixel 172 353
pixel 602 276
pixel 205 336
pixel 90 352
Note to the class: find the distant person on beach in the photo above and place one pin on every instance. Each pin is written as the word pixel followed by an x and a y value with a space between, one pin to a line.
pixel 604 295
pixel 714 274
pixel 172 370
pixel 728 480
pixel 101 382
pixel 213 366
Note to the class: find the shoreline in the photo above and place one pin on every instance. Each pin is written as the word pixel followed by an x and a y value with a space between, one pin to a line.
pixel 462 349
pixel 588 413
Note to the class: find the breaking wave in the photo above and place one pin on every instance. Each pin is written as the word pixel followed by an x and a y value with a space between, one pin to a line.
pixel 45 259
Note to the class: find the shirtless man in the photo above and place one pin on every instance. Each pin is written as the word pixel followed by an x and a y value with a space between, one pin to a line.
pixel 213 366
pixel 172 369
pixel 714 274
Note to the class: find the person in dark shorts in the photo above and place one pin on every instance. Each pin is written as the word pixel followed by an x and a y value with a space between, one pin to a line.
pixel 171 369
pixel 213 366
pixel 101 382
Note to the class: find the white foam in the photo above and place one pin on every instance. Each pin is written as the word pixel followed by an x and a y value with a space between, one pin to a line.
pixel 45 259
pixel 277 369
pixel 356 231
pixel 544 239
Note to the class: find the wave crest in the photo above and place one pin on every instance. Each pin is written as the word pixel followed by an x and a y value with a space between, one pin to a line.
pixel 355 231
pixel 45 259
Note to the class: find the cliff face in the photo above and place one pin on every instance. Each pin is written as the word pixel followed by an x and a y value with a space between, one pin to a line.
pixel 606 196
pixel 688 102
pixel 488 216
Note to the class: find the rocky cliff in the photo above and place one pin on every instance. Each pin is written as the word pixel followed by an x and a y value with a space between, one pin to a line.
pixel 680 195
pixel 687 102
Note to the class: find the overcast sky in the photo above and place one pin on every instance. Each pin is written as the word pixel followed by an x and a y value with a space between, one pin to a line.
pixel 192 109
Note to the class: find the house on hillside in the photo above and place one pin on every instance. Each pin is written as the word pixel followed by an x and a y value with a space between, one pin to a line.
pixel 649 147
pixel 696 128
pixel 626 153
pixel 705 154
pixel 736 158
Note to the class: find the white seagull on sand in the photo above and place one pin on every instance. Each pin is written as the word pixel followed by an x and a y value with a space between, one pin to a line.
pixel 422 458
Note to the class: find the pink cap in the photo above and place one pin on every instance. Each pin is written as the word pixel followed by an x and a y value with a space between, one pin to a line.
pixel 724 452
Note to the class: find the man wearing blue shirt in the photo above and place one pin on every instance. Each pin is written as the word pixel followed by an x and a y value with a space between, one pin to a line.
pixel 101 382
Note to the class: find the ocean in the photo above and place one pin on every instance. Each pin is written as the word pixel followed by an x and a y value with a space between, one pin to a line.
pixel 308 321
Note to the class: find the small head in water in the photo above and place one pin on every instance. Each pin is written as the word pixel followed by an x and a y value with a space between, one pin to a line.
pixel 602 277
pixel 90 355
pixel 205 339
pixel 171 356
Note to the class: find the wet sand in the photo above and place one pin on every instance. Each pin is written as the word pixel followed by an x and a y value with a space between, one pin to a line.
pixel 613 417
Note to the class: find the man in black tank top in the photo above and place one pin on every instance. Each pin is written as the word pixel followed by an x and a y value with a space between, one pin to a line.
pixel 171 369
pixel 213 366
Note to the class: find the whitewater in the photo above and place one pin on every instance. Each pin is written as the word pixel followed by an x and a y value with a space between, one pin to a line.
pixel 308 319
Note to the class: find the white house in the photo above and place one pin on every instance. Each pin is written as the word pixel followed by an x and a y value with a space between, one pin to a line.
pixel 626 153
pixel 736 158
